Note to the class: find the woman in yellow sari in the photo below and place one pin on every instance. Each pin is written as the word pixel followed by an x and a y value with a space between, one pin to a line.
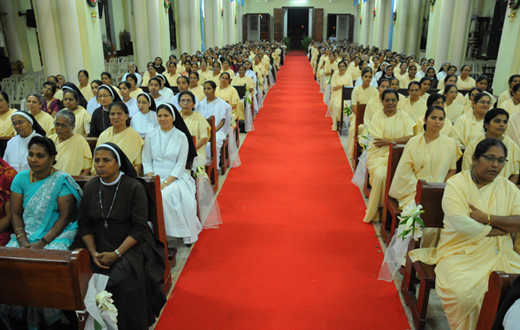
pixel 229 94
pixel 481 209
pixel 196 123
pixel 84 86
pixel 34 104
pixel 361 94
pixel 215 77
pixel 339 79
pixel 375 104
pixel 406 79
pixel 414 105
pixel 471 125
pixel 495 126
pixel 134 90
pixel 433 100
pixel 429 156
pixel 453 109
pixel 74 155
pixel 126 138
pixel 387 126
pixel 513 104
pixel 465 82
pixel 468 106
pixel 240 80
pixel 204 72
pixel 513 80
pixel 195 86
pixel 6 127
pixel 82 116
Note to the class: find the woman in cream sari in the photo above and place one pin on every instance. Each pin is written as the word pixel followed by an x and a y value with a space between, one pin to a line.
pixel 481 209
pixel 74 155
pixel 6 127
pixel 471 125
pixel 495 126
pixel 387 126
pixel 126 138
pixel 340 78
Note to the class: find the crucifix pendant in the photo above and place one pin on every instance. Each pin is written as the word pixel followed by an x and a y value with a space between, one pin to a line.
pixel 106 224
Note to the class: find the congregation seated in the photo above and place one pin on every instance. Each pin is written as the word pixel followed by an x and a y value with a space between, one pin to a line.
pixel 120 134
pixel 129 101
pixel 6 127
pixel 167 149
pixel 339 79
pixel 513 104
pixel 7 174
pixel 82 116
pixel 74 155
pixel 145 119
pixel 93 104
pixel 471 124
pixel 495 126
pixel 84 87
pixel 50 104
pixel 133 80
pixel 481 210
pixel 221 110
pixel 113 227
pixel 17 149
pixel 100 121
pixel 34 103
pixel 196 123
pixel 506 95
pixel 132 69
pixel 44 209
pixel 387 126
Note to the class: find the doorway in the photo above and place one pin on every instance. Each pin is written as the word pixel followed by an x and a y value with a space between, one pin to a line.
pixel 298 25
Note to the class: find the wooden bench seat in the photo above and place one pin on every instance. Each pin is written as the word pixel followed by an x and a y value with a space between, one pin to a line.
pixel 44 278
pixel 212 168
pixel 346 95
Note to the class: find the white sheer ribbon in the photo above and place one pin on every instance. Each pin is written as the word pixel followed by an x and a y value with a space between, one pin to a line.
pixel 97 284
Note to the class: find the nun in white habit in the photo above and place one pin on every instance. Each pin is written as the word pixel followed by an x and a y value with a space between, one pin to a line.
pixel 167 149
pixel 17 149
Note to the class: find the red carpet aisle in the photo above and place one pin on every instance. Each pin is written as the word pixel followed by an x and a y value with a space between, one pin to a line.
pixel 293 251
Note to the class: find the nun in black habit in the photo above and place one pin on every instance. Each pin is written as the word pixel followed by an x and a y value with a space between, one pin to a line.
pixel 113 226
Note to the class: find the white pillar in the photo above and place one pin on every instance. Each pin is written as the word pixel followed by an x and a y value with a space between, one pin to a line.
pixel 414 36
pixel 217 23
pixel 208 23
pixel 403 22
pixel 444 30
pixel 182 28
pixel 507 63
pixel 140 40
pixel 70 36
pixel 10 33
pixel 194 26
pixel 48 43
pixel 311 11
pixel 231 22
pixel 371 23
pixel 285 22
pixel 154 29
pixel 240 25
pixel 380 23
pixel 366 20
pixel 459 33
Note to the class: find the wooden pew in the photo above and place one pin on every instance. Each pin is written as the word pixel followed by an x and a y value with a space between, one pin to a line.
pixel 498 286
pixel 430 197
pixel 92 141
pixel 241 90
pixel 44 278
pixel 391 210
pixel 360 114
pixel 154 186
pixel 212 168
pixel 225 161
pixel 346 94
pixel 3 145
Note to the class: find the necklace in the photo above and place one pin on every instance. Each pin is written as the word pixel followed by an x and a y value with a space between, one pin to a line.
pixel 429 152
pixel 31 178
pixel 162 153
pixel 111 206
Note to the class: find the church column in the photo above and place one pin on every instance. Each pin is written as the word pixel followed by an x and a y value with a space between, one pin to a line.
pixel 366 20
pixel 194 26
pixel 208 23
pixel 182 27
pixel 240 23
pixel 380 24
pixel 444 30
pixel 154 29
pixel 403 23
pixel 48 43
pixel 217 23
pixel 507 63
pixel 231 22
pixel 70 38
pixel 11 35
pixel 414 35
pixel 140 40
pixel 371 23
pixel 459 32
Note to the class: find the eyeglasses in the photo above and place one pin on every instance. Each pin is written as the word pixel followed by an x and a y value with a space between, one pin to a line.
pixel 60 125
pixel 186 101
pixel 492 159
pixel 484 103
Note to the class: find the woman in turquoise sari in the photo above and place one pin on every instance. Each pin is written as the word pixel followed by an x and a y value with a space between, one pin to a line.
pixel 44 213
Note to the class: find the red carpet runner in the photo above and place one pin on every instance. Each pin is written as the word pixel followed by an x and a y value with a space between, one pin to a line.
pixel 293 251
